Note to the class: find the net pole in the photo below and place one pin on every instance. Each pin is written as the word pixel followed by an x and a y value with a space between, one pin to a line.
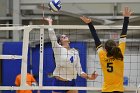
pixel 24 55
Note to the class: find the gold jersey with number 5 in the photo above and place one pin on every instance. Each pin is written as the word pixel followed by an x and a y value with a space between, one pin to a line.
pixel 113 69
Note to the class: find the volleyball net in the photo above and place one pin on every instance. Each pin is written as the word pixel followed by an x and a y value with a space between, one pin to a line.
pixel 37 35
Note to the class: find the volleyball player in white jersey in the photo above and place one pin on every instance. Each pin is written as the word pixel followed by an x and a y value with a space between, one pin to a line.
pixel 67 62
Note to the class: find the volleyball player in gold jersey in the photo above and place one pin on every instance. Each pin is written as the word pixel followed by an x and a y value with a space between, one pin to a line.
pixel 112 57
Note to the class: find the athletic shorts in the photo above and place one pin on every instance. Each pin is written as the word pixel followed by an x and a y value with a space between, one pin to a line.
pixel 57 82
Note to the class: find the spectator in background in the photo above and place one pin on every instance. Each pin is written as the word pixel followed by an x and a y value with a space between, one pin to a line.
pixel 30 81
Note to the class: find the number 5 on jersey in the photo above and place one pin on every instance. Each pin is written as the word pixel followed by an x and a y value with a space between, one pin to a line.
pixel 110 67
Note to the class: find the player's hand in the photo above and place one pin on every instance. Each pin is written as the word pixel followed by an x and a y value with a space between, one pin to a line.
pixel 86 19
pixel 84 75
pixel 93 76
pixel 127 12
pixel 49 20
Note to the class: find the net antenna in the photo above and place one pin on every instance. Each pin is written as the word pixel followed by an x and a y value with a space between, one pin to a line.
pixel 41 47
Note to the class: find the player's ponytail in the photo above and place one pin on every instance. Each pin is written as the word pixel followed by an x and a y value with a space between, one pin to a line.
pixel 113 50
pixel 116 53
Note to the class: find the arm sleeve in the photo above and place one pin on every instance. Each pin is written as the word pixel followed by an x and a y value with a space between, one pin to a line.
pixel 78 66
pixel 125 26
pixel 95 36
pixel 122 41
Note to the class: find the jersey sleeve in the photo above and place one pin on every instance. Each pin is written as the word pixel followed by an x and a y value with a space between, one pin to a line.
pixel 56 47
pixel 101 53
pixel 122 45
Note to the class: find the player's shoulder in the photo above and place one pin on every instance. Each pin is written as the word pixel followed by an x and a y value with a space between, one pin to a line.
pixel 101 49
pixel 101 52
pixel 29 75
pixel 19 75
pixel 122 40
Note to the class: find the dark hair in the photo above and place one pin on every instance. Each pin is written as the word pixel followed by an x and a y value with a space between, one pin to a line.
pixel 113 50
pixel 58 38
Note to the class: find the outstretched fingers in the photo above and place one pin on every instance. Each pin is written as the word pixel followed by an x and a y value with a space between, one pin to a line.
pixel 93 76
pixel 127 12
pixel 49 20
pixel 85 19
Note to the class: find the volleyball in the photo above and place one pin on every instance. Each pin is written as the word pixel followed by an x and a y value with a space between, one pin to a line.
pixel 55 5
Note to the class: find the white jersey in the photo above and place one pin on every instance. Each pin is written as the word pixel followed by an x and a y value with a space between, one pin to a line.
pixel 67 61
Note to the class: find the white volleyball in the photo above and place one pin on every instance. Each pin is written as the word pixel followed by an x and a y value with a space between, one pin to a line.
pixel 55 5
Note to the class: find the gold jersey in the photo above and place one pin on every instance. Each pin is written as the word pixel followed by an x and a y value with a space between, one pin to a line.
pixel 113 69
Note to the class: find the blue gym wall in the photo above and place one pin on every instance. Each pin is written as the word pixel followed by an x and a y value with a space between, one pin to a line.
pixel 10 68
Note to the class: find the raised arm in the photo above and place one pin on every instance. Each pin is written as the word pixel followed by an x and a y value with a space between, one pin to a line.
pixel 126 13
pixel 93 31
pixel 52 35
pixel 122 42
